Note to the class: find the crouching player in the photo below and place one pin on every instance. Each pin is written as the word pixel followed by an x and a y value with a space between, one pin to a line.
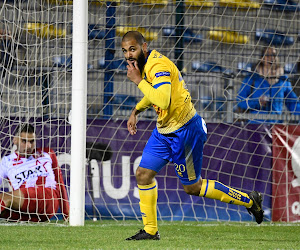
pixel 36 179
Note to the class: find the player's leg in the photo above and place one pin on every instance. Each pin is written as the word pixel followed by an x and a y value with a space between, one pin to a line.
pixel 12 200
pixel 30 204
pixel 148 201
pixel 154 158
pixel 148 198
pixel 40 202
pixel 188 163
pixel 216 190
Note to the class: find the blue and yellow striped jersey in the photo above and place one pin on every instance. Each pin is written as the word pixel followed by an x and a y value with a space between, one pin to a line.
pixel 164 88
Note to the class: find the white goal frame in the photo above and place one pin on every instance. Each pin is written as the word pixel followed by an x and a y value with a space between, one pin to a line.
pixel 78 117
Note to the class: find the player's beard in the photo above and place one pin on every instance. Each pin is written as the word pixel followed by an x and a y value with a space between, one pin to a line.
pixel 141 60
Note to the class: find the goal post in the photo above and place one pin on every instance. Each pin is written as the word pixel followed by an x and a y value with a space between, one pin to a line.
pixel 79 114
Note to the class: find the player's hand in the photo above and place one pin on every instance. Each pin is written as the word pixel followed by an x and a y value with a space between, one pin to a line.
pixel 131 124
pixel 133 72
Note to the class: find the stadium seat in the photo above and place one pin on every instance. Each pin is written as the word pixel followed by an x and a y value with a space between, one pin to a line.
pixel 212 67
pixel 282 5
pixel 65 62
pixel 44 30
pixel 273 37
pixel 150 3
pixel 188 35
pixel 124 102
pixel 226 36
pixel 119 64
pixel 206 67
pixel 62 61
pixel 240 4
pixel 290 68
pixel 12 1
pixel 245 68
pixel 101 2
pixel 149 35
pixel 60 2
pixel 70 2
pixel 94 32
pixel 196 4
pixel 213 104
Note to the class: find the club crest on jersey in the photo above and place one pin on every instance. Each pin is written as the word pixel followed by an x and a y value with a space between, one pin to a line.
pixel 159 74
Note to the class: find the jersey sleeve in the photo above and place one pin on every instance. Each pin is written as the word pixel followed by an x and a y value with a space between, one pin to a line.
pixel 159 91
pixel 2 171
pixel 64 201
pixel 143 104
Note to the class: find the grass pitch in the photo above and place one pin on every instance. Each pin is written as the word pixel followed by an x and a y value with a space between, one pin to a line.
pixel 174 235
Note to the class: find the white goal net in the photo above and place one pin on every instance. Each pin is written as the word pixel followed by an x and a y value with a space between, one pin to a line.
pixel 221 48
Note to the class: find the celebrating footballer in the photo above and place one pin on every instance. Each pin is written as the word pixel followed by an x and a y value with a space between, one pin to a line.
pixel 179 136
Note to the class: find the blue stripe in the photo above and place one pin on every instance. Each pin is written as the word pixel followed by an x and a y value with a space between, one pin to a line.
pixel 159 74
pixel 219 186
pixel 147 188
pixel 148 55
pixel 159 84
pixel 206 188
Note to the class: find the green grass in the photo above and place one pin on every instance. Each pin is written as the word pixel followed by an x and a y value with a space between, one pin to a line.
pixel 174 235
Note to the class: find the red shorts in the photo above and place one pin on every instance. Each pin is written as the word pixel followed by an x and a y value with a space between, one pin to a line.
pixel 40 204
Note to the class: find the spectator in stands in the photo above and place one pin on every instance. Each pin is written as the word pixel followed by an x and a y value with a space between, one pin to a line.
pixel 296 78
pixel 267 90
pixel 36 180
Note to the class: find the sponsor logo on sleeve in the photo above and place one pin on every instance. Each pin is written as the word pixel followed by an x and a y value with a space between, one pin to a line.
pixel 159 74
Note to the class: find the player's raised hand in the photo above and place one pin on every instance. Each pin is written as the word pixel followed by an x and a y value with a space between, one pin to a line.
pixel 131 124
pixel 133 72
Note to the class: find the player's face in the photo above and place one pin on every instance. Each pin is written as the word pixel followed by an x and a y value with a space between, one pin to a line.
pixel 25 143
pixel 133 51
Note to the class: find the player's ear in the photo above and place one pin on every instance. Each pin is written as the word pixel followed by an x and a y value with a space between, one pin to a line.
pixel 145 47
pixel 15 140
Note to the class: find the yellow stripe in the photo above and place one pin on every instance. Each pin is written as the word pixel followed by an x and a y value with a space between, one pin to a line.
pixel 203 187
pixel 189 163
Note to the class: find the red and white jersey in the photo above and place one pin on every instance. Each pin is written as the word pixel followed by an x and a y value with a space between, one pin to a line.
pixel 27 171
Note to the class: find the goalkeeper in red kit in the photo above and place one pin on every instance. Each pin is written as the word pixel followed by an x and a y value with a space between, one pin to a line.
pixel 179 135
pixel 36 180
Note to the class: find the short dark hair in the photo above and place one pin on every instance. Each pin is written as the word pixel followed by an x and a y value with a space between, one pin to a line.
pixel 134 35
pixel 25 128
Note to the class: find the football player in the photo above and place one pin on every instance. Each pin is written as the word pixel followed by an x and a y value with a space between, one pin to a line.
pixel 36 180
pixel 179 136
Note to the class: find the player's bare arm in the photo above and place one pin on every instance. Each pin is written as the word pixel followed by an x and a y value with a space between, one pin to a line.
pixel 132 121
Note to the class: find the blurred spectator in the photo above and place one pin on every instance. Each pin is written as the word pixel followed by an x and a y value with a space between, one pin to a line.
pixel 267 90
pixel 296 79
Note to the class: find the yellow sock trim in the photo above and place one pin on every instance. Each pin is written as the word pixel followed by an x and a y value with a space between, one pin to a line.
pixel 148 202
pixel 217 190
